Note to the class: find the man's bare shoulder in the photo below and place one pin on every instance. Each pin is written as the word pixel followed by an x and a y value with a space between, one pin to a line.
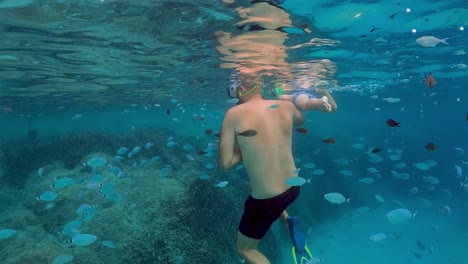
pixel 283 105
pixel 232 112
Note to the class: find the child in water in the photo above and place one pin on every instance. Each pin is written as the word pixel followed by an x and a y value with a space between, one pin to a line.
pixel 317 99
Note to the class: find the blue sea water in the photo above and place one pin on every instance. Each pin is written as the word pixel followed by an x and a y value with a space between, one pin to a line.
pixel 81 79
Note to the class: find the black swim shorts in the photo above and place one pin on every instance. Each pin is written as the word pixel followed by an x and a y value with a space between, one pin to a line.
pixel 259 214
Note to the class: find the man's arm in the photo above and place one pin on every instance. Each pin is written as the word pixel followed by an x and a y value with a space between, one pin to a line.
pixel 228 155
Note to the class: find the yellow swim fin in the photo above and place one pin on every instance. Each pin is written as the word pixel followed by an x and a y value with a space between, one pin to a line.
pixel 301 257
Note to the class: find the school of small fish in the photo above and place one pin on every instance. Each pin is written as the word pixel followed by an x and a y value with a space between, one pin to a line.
pixel 101 172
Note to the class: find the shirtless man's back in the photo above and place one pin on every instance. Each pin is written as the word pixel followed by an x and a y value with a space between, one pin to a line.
pixel 258 132
pixel 267 156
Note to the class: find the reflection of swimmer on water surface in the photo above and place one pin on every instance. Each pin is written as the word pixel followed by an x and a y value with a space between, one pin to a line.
pixel 268 15
pixel 260 45
pixel 260 49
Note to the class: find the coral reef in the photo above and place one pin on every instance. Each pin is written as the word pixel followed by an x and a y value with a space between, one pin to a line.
pixel 195 228
pixel 173 217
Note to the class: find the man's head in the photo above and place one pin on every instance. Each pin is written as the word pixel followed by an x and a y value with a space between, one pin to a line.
pixel 245 86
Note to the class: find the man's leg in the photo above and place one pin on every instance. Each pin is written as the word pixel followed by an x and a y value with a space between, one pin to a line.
pixel 247 249
pixel 284 218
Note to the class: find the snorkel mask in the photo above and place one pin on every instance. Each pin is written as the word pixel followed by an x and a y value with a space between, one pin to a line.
pixel 232 89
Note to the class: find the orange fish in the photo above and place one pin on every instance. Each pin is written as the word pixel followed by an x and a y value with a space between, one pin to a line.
pixel 329 141
pixel 302 130
pixel 430 147
pixel 430 80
